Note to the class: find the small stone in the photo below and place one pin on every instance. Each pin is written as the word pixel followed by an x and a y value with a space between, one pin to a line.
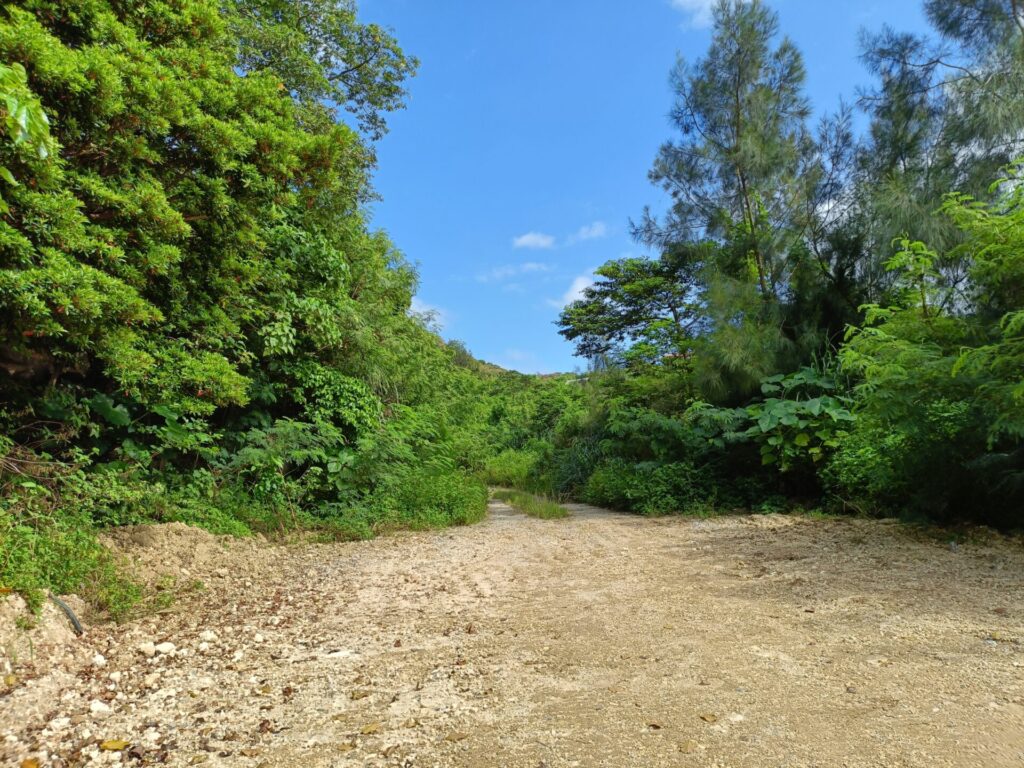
pixel 115 677
pixel 207 635
pixel 99 660
pixel 148 650
pixel 204 647
pixel 165 648
pixel 99 709
pixel 257 638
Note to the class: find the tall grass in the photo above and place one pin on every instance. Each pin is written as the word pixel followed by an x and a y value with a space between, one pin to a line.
pixel 534 506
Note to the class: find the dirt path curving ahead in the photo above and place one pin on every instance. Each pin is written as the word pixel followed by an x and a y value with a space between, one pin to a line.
pixel 598 640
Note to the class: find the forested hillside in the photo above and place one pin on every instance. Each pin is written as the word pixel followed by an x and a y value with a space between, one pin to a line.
pixel 833 319
pixel 201 324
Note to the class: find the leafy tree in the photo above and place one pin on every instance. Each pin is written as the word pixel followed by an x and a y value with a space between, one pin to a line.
pixel 324 56
pixel 198 322
pixel 636 299
pixel 940 392
pixel 736 172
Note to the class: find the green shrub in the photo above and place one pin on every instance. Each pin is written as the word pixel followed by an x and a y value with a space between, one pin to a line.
pixel 48 542
pixel 608 485
pixel 422 499
pixel 511 468
pixel 650 488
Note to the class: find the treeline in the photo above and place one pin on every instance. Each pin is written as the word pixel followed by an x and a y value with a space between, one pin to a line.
pixel 833 319
pixel 197 321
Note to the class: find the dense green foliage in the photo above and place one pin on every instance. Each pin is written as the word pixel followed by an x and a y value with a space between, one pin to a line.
pixel 198 323
pixel 829 320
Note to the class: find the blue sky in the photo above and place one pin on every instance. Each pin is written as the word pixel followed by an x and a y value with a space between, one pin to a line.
pixel 524 149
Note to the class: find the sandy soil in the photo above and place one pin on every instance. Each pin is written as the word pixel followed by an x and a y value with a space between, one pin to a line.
pixel 598 640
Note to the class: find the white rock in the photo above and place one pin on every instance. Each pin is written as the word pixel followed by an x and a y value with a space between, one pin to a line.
pixel 257 638
pixel 99 709
pixel 166 647
pixel 204 682
pixel 115 677
pixel 151 679
pixel 99 660
pixel 207 635
pixel 204 647
pixel 147 649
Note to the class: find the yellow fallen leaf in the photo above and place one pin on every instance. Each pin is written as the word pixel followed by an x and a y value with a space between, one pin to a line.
pixel 348 746
pixel 30 762
pixel 456 736
pixel 10 680
pixel 115 745
pixel 688 747
pixel 370 729
pixel 357 695
pixel 709 718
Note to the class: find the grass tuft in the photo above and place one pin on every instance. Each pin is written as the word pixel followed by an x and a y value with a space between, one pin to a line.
pixel 534 506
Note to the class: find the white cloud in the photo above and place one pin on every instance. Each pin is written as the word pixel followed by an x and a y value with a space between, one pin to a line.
pixel 513 270
pixel 534 240
pixel 593 231
pixel 523 361
pixel 698 12
pixel 436 318
pixel 575 291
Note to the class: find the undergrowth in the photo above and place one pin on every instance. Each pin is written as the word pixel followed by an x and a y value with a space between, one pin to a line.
pixel 50 526
pixel 534 506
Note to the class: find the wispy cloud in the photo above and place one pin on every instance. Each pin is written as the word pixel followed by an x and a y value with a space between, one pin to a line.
pixel 534 240
pixel 594 231
pixel 436 318
pixel 507 271
pixel 579 284
pixel 698 12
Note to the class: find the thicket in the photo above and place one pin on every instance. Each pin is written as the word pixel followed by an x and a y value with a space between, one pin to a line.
pixel 197 320
pixel 830 319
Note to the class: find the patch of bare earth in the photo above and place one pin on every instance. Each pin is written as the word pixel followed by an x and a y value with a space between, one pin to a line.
pixel 598 640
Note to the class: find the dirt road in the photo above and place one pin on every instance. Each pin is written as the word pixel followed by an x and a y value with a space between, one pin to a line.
pixel 598 640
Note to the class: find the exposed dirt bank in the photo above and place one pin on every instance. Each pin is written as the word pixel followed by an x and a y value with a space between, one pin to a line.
pixel 598 640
